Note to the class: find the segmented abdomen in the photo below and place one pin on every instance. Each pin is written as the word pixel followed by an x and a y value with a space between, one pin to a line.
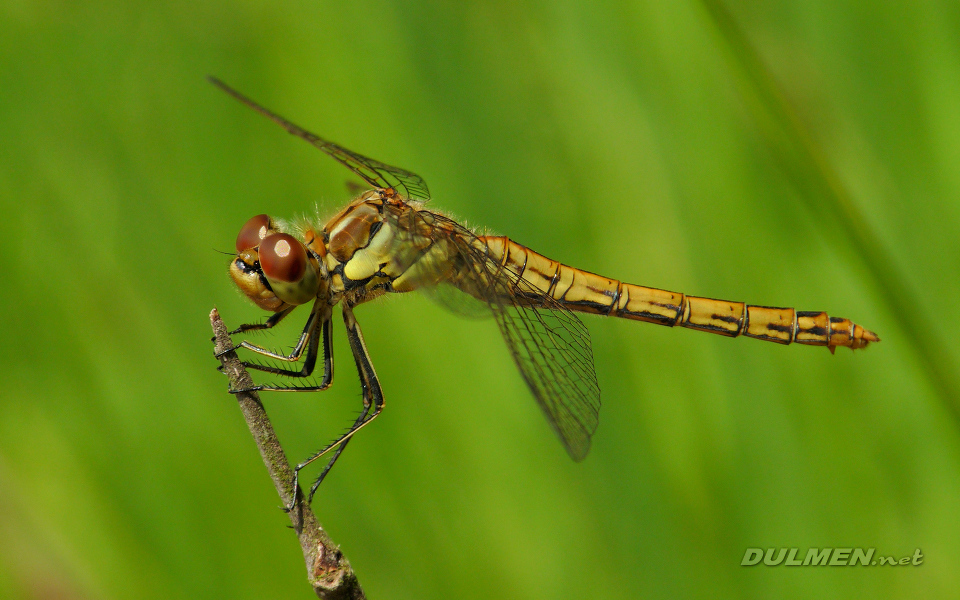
pixel 587 292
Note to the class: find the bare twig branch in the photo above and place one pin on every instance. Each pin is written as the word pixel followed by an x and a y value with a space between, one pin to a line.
pixel 328 570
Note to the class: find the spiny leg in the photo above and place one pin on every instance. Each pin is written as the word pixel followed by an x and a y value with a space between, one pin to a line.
pixel 362 420
pixel 372 399
pixel 268 324
pixel 309 331
pixel 309 363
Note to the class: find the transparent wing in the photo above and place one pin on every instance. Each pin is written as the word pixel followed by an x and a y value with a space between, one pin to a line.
pixel 549 343
pixel 551 346
pixel 380 175
pixel 457 302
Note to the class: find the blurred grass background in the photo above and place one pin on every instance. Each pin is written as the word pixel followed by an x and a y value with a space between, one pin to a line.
pixel 782 153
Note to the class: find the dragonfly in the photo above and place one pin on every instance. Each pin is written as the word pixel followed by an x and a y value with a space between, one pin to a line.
pixel 386 241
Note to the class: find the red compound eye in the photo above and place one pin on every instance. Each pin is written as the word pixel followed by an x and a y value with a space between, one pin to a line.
pixel 283 258
pixel 253 232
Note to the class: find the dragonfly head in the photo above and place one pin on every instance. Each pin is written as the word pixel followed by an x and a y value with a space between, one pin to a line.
pixel 273 268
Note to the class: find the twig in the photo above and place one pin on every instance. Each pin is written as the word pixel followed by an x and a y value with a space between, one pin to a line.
pixel 328 570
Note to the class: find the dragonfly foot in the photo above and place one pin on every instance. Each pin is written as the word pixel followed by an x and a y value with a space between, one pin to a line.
pixel 255 388
pixel 296 493
pixel 225 351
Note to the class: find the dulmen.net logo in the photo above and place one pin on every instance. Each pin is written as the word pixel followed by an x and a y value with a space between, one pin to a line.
pixel 826 557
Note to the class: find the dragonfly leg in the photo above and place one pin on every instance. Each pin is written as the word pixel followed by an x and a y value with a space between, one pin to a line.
pixel 268 324
pixel 372 402
pixel 360 422
pixel 309 363
pixel 309 331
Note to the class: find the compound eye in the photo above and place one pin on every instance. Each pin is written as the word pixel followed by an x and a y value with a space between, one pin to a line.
pixel 283 258
pixel 254 231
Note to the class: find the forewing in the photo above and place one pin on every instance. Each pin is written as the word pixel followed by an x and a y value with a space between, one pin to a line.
pixel 406 183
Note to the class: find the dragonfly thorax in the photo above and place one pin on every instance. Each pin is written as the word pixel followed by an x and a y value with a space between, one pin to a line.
pixel 380 244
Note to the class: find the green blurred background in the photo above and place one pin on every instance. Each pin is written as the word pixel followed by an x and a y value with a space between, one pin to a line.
pixel 782 153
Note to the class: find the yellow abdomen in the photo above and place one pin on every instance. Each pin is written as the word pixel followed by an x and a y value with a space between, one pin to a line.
pixel 587 292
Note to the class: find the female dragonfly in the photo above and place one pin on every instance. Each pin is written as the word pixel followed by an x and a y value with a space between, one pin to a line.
pixel 385 241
